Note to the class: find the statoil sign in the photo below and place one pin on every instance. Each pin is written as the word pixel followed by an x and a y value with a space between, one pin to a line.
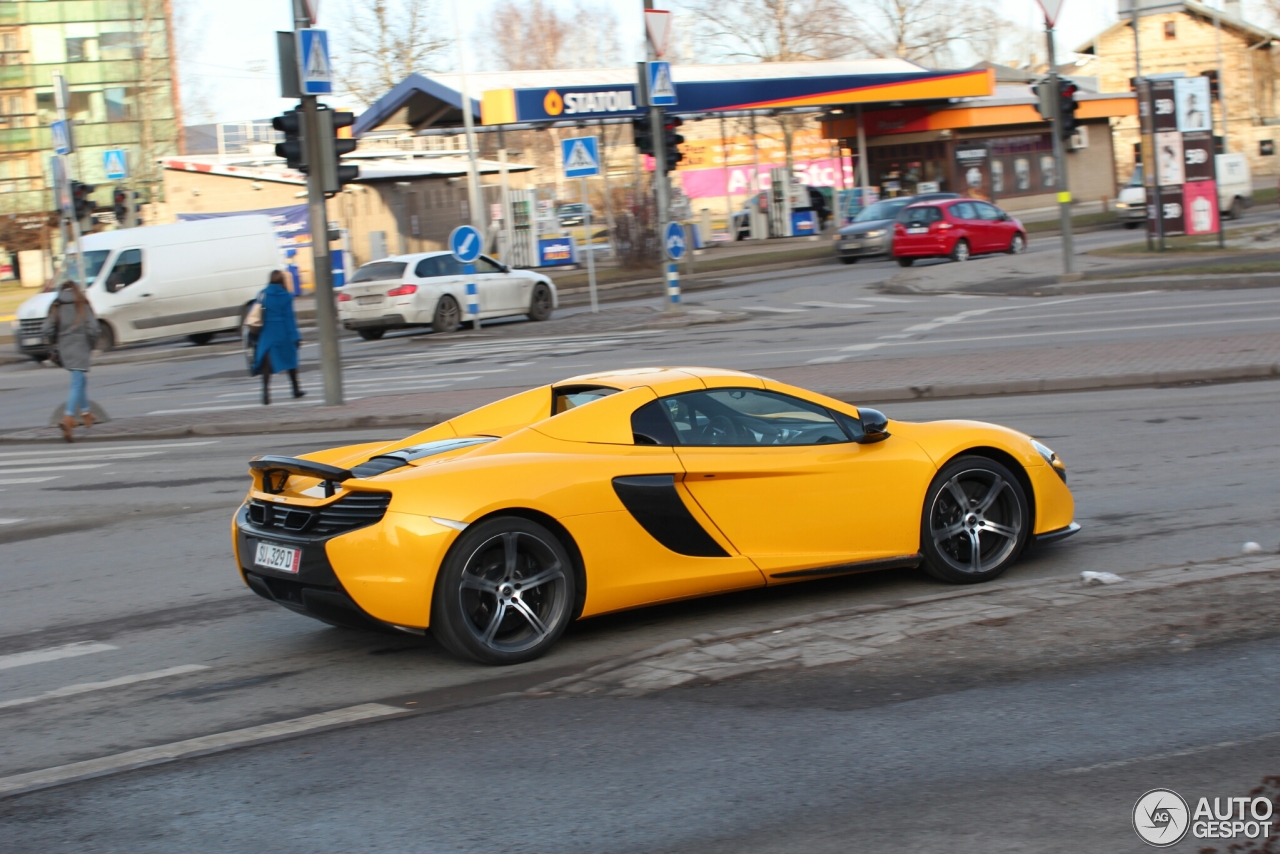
pixel 579 102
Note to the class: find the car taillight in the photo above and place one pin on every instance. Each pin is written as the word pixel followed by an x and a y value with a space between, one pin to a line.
pixel 403 291
pixel 899 228
pixel 941 226
pixel 344 297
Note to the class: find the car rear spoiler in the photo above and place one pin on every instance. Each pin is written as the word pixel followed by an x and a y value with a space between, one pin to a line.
pixel 276 470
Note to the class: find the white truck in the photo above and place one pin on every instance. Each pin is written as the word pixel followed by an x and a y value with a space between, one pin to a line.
pixel 1235 191
pixel 189 278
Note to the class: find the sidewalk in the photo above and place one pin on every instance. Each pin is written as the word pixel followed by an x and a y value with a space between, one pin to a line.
pixel 867 381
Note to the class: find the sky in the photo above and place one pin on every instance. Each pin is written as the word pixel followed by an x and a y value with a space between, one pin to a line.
pixel 227 49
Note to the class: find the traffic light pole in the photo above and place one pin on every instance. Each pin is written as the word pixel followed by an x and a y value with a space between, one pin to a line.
pixel 322 268
pixel 1060 163
pixel 657 128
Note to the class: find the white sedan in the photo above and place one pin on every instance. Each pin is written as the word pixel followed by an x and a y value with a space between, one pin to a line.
pixel 430 289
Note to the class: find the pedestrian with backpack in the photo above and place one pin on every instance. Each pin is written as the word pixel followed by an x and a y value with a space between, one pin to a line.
pixel 278 337
pixel 72 332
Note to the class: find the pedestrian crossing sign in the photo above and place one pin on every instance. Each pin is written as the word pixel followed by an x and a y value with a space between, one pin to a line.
pixel 314 69
pixel 580 156
pixel 116 164
pixel 662 92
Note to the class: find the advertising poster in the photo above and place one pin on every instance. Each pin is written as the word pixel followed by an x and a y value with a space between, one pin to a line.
pixel 1169 172
pixel 1171 211
pixel 1197 156
pixel 1191 97
pixel 293 229
pixel 973 166
pixel 1200 206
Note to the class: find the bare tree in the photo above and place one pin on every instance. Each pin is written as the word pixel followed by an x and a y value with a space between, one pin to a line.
pixel 533 34
pixel 385 41
pixel 774 30
pixel 930 32
pixel 190 19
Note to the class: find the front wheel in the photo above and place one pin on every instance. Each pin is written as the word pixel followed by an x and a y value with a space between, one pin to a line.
pixel 906 262
pixel 1237 208
pixel 106 338
pixel 371 333
pixel 448 316
pixel 200 338
pixel 849 259
pixel 1017 245
pixel 505 592
pixel 1131 225
pixel 975 523
pixel 960 252
pixel 540 304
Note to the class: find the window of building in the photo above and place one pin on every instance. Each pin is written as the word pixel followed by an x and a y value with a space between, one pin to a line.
pixel 82 49
pixel 123 45
pixel 1170 29
pixel 121 103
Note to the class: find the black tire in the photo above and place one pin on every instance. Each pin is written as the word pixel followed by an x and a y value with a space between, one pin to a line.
pixel 106 337
pixel 1237 208
pixel 848 259
pixel 200 338
pixel 1017 245
pixel 906 262
pixel 1131 225
pixel 372 333
pixel 540 306
pixel 994 505
pixel 960 252
pixel 479 609
pixel 448 317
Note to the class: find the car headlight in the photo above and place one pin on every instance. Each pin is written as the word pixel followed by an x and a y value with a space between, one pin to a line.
pixel 1122 206
pixel 875 234
pixel 1051 458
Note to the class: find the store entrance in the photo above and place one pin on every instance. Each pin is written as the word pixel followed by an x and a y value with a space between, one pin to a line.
pixel 909 170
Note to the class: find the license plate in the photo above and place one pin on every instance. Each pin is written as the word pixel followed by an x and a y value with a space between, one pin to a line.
pixel 282 558
pixel 923 230
pixel 369 300
pixel 31 342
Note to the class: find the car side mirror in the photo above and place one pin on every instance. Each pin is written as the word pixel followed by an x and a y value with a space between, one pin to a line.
pixel 504 268
pixel 875 426
pixel 1004 217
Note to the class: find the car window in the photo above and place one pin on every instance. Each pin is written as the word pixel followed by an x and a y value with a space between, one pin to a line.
pixel 987 212
pixel 571 397
pixel 379 271
pixel 126 270
pixel 651 426
pixel 882 210
pixel 921 215
pixel 484 265
pixel 963 210
pixel 438 265
pixel 748 417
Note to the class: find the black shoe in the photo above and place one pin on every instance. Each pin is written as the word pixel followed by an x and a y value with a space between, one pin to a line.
pixel 297 392
pixel 266 398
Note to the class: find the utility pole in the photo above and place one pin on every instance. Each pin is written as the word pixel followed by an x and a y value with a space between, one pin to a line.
pixel 657 127
pixel 475 200
pixel 322 270
pixel 1060 160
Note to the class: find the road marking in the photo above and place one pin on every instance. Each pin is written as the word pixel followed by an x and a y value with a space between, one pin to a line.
pixel 885 299
pixel 1156 757
pixel 53 653
pixel 21 467
pixel 99 449
pixel 820 304
pixel 29 461
pixel 11 480
pixel 893 336
pixel 86 687
pixel 201 746
pixel 770 309
pixel 9 521
pixel 313 402
pixel 1144 308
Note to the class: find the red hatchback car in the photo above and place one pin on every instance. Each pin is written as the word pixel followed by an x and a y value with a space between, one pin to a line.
pixel 956 229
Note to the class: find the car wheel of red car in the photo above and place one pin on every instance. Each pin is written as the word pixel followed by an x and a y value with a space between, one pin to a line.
pixel 1017 245
pixel 906 262
pixel 960 252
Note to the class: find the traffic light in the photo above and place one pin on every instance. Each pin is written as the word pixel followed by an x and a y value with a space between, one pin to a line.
pixel 333 172
pixel 1067 108
pixel 81 202
pixel 1044 100
pixel 671 142
pixel 294 147
pixel 641 134
pixel 125 207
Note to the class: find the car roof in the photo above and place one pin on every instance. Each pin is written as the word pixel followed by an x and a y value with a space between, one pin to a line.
pixel 665 380
pixel 416 256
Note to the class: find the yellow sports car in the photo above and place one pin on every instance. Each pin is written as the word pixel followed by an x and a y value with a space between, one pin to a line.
pixel 615 490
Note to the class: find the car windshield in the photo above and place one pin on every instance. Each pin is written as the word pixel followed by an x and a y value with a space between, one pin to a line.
pixel 379 271
pixel 887 209
pixel 93 261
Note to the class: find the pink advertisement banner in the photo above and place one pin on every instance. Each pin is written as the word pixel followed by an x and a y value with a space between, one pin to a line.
pixel 704 183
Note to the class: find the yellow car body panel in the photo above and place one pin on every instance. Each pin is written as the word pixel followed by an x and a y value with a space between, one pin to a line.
pixel 774 511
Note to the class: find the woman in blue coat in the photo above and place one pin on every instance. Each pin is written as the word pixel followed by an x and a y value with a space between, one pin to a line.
pixel 278 340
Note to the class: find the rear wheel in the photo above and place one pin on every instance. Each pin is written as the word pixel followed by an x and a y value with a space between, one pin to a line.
pixel 849 259
pixel 372 333
pixel 906 262
pixel 1131 225
pixel 448 316
pixel 975 523
pixel 1017 245
pixel 1237 208
pixel 200 338
pixel 504 593
pixel 960 252
pixel 106 337
pixel 540 304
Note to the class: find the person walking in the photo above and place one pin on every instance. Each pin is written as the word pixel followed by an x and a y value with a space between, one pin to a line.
pixel 72 331
pixel 278 340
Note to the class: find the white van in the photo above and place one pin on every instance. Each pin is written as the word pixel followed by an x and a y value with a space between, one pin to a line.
pixel 1235 191
pixel 190 278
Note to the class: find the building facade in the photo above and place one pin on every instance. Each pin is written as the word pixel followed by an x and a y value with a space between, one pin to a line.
pixel 115 56
pixel 1189 38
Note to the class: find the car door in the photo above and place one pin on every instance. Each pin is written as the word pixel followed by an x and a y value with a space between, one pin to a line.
pixel 127 301
pixel 786 484
pixel 965 220
pixel 500 288
pixel 1000 226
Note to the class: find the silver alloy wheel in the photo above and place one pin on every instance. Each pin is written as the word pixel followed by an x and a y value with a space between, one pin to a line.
pixel 512 592
pixel 961 251
pixel 448 316
pixel 972 503
pixel 1018 245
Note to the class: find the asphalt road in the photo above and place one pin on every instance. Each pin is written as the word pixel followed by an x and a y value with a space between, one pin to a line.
pixel 814 315
pixel 124 550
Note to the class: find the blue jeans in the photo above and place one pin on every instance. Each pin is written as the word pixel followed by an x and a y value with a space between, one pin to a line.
pixel 77 400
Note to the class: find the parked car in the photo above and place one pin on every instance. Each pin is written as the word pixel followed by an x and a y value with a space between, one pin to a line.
pixel 871 232
pixel 1235 191
pixel 430 289
pixel 189 278
pixel 955 229
pixel 573 214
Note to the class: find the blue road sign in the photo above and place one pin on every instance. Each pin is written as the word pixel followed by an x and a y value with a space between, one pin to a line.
pixel 61 137
pixel 673 241
pixel 662 92
pixel 580 156
pixel 465 243
pixel 115 162
pixel 314 71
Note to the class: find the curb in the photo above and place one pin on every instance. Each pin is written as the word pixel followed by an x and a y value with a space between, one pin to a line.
pixel 1049 286
pixel 423 420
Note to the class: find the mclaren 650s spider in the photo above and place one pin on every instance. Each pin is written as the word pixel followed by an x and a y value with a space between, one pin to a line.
pixel 497 528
